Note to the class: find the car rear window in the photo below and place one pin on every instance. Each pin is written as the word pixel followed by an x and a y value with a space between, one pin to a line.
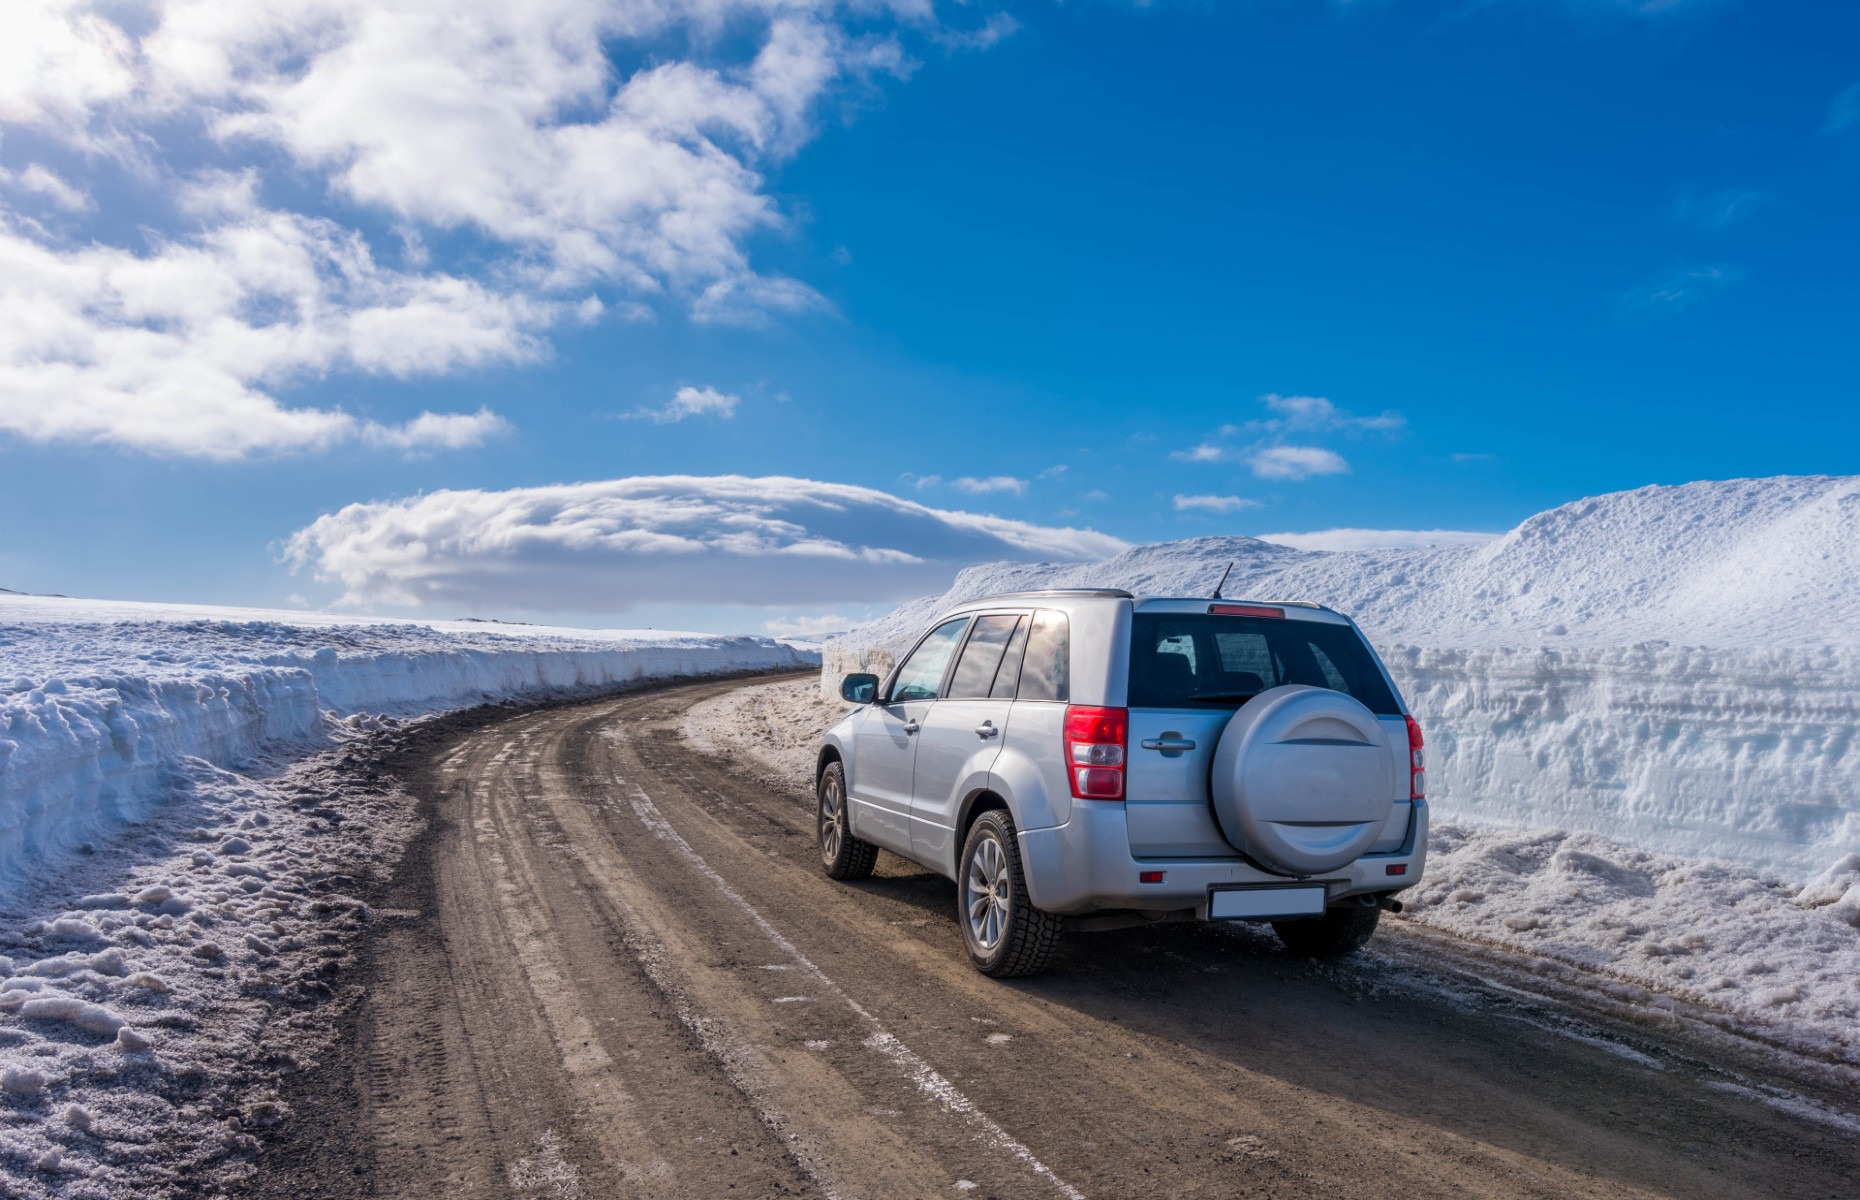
pixel 1195 660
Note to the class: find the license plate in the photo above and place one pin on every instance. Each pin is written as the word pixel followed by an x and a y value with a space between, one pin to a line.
pixel 1242 904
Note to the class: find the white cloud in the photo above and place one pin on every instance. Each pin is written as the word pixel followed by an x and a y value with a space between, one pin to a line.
pixel 1206 452
pixel 998 25
pixel 809 626
pixel 176 351
pixel 1296 462
pixel 437 431
pixel 40 180
pixel 575 157
pixel 58 59
pixel 1313 414
pixel 1678 290
pixel 1266 454
pixel 1376 539
pixel 992 483
pixel 611 545
pixel 1218 504
pixel 1052 472
pixel 691 402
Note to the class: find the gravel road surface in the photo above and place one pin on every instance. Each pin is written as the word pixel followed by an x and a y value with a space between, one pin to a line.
pixel 612 967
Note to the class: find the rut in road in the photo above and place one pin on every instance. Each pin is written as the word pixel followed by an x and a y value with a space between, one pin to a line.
pixel 628 977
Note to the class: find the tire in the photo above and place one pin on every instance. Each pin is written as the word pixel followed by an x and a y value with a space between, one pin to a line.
pixel 1339 931
pixel 841 854
pixel 1006 936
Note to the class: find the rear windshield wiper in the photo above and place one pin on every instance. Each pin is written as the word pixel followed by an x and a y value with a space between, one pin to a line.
pixel 1219 697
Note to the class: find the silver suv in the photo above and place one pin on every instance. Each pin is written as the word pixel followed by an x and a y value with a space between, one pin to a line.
pixel 1092 759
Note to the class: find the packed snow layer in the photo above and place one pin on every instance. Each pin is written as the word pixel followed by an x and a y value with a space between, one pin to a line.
pixel 1770 959
pixel 1747 755
pixel 159 990
pixel 1676 667
pixel 102 702
pixel 1742 949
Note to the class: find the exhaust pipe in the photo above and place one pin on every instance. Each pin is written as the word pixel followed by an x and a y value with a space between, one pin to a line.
pixel 1388 904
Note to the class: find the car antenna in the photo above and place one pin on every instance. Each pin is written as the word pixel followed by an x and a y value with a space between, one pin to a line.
pixel 1222 583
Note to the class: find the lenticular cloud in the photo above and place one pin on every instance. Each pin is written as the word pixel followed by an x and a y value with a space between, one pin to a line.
pixel 608 546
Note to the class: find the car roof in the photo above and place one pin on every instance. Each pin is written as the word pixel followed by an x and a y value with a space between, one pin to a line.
pixel 1064 598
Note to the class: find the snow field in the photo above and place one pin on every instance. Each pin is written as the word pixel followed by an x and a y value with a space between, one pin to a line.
pixel 1675 667
pixel 101 703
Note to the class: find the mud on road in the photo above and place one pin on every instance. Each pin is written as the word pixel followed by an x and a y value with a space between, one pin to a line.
pixel 612 967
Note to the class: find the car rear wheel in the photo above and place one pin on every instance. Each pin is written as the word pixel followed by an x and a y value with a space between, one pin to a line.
pixel 1339 931
pixel 843 855
pixel 1005 934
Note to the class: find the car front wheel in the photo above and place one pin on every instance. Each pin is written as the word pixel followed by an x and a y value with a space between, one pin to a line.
pixel 1005 934
pixel 843 855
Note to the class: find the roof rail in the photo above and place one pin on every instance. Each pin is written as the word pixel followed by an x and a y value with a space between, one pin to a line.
pixel 1115 593
pixel 1306 604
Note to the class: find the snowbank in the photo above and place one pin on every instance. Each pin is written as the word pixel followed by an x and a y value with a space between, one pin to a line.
pixel 1675 667
pixel 150 1007
pixel 101 703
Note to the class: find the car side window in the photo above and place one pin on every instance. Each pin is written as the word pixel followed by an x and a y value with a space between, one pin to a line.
pixel 1007 679
pixel 921 676
pixel 1046 672
pixel 981 656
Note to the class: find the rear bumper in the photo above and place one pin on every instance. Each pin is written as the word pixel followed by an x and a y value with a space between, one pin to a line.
pixel 1085 866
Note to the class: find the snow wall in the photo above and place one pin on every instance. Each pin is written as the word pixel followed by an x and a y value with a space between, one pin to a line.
pixel 1677 668
pixel 99 702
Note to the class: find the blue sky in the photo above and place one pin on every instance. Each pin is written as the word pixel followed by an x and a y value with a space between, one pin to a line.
pixel 1236 268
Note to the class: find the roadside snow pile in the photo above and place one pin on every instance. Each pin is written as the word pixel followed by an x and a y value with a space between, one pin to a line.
pixel 1675 667
pixel 150 1010
pixel 101 703
pixel 1773 959
pixel 1771 563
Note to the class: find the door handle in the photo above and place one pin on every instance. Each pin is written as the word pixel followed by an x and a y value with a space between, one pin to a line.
pixel 911 727
pixel 986 730
pixel 1167 743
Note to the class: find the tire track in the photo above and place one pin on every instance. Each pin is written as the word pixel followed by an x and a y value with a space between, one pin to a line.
pixel 627 977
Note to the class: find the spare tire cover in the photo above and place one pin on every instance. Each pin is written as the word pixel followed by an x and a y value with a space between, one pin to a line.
pixel 1303 779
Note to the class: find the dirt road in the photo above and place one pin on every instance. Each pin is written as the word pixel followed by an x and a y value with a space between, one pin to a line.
pixel 612 967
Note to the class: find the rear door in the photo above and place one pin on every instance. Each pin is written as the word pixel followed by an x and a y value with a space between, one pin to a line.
pixel 1172 740
pixel 885 746
pixel 1189 672
pixel 962 735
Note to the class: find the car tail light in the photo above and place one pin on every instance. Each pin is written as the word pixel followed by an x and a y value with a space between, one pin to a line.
pixel 1095 740
pixel 1417 762
pixel 1244 610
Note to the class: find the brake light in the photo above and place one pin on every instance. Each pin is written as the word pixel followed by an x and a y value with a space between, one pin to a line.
pixel 1417 762
pixel 1244 610
pixel 1095 740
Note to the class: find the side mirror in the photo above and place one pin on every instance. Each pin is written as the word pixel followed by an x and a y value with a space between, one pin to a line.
pixel 859 689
